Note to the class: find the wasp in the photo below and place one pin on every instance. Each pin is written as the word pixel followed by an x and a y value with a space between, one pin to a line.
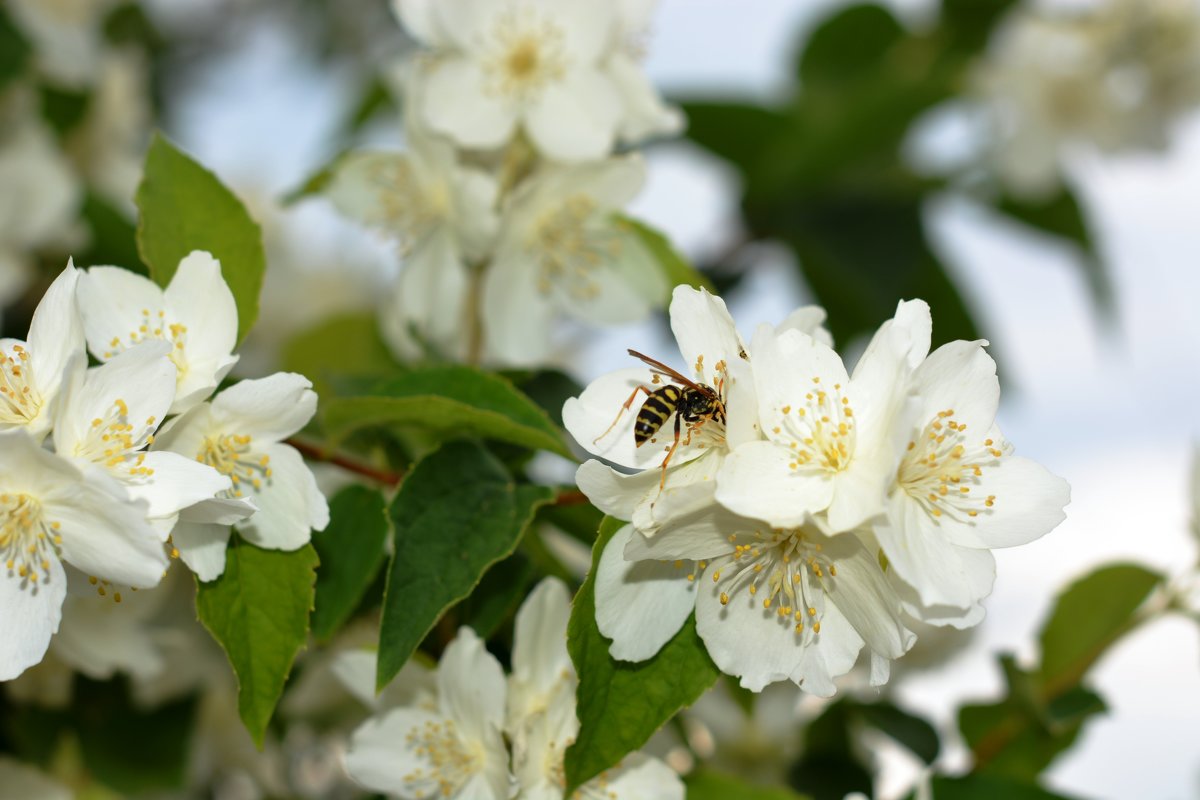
pixel 692 403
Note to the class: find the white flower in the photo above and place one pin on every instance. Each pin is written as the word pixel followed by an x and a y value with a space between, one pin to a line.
pixel 68 36
pixel 959 490
pixel 452 747
pixel 830 443
pixel 108 417
pixel 644 113
pixel 241 434
pixel 196 314
pixel 32 372
pixel 22 781
pixel 501 66
pixel 49 514
pixel 443 217
pixel 561 250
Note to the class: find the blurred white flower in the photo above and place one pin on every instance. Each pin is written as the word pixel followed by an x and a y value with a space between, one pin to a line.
pixel 196 314
pixel 500 67
pixel 450 746
pixel 241 433
pixel 562 251
pixel 110 146
pixel 22 782
pixel 67 36
pixel 49 514
pixel 644 113
pixel 442 214
pixel 32 372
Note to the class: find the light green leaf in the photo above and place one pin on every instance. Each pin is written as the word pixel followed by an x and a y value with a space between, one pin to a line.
pixel 1090 616
pixel 449 399
pixel 675 268
pixel 457 513
pixel 706 784
pixel 14 50
pixel 258 612
pixel 351 553
pixel 347 345
pixel 990 787
pixel 183 207
pixel 907 729
pixel 621 704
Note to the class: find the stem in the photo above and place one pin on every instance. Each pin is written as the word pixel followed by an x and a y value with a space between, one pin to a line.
pixel 475 315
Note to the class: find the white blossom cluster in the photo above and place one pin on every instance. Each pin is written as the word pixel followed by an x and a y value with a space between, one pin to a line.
pixel 106 471
pixel 1114 75
pixel 467 731
pixel 504 202
pixel 820 511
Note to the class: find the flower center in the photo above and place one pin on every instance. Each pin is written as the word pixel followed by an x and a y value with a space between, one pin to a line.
pixel 409 208
pixel 526 52
pixel 113 440
pixel 230 454
pixel 569 250
pixel 944 472
pixel 819 429
pixel 20 401
pixel 27 540
pixel 451 761
pixel 155 326
pixel 785 571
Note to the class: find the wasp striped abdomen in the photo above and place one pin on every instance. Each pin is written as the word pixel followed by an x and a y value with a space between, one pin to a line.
pixel 654 413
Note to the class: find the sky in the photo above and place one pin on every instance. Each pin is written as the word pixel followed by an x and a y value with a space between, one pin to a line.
pixel 1111 407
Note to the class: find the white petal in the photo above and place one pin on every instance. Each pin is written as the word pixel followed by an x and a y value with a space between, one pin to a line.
pixel 612 492
pixel 267 409
pixel 471 686
pixel 107 538
pixel 516 313
pixel 199 380
pixel 290 503
pixel 382 757
pixel 199 298
pixel 31 616
pixel 640 777
pixel 941 572
pixel 220 510
pixel 809 320
pixel 644 113
pixel 55 333
pixel 704 330
pixel 587 26
pixel 861 592
pixel 539 655
pixel 99 638
pixel 202 548
pixel 185 434
pixel 960 376
pixel 175 483
pixel 1030 502
pixel 757 481
pixel 428 309
pixel 700 534
pixel 419 17
pixel 111 301
pixel 881 377
pixel 575 118
pixel 640 605
pixel 457 102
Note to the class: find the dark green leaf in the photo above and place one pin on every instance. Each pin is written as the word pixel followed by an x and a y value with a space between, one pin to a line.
pixel 14 50
pixel 129 749
pixel 708 785
pixel 450 399
pixel 64 108
pixel 990 787
pixel 621 704
pixel 915 733
pixel 457 513
pixel 549 388
pixel 675 268
pixel 183 207
pixel 351 553
pixel 341 346
pixel 498 594
pixel 969 23
pixel 578 520
pixel 1089 617
pixel 258 612
pixel 851 45
pixel 829 767
pixel 742 134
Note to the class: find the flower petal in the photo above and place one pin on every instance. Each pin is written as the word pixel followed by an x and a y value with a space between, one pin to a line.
pixel 644 113
pixel 384 757
pixel 456 101
pixel 705 332
pixel 32 612
pixel 55 333
pixel 471 686
pixel 106 537
pixel 202 548
pixel 517 314
pixel 575 118
pixel 266 409
pixel 640 777
pixel 111 301
pixel 290 503
pixel 640 605
pixel 757 481
pixel 539 656
pixel 960 376
pixel 427 311
pixel 199 298
pixel 175 482
pixel 1030 502
pixel 861 592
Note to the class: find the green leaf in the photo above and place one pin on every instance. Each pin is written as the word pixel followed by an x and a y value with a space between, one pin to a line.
pixel 675 268
pixel 1090 616
pixel 913 732
pixel 969 23
pixel 989 787
pixel 351 553
pixel 127 748
pixel 830 767
pixel 452 400
pixel 64 108
pixel 704 784
pixel 498 594
pixel 14 50
pixel 183 207
pixel 457 513
pixel 315 183
pixel 851 45
pixel 346 345
pixel 621 704
pixel 258 612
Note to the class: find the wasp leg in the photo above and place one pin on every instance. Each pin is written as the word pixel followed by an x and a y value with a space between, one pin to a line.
pixel 625 407
pixel 666 461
